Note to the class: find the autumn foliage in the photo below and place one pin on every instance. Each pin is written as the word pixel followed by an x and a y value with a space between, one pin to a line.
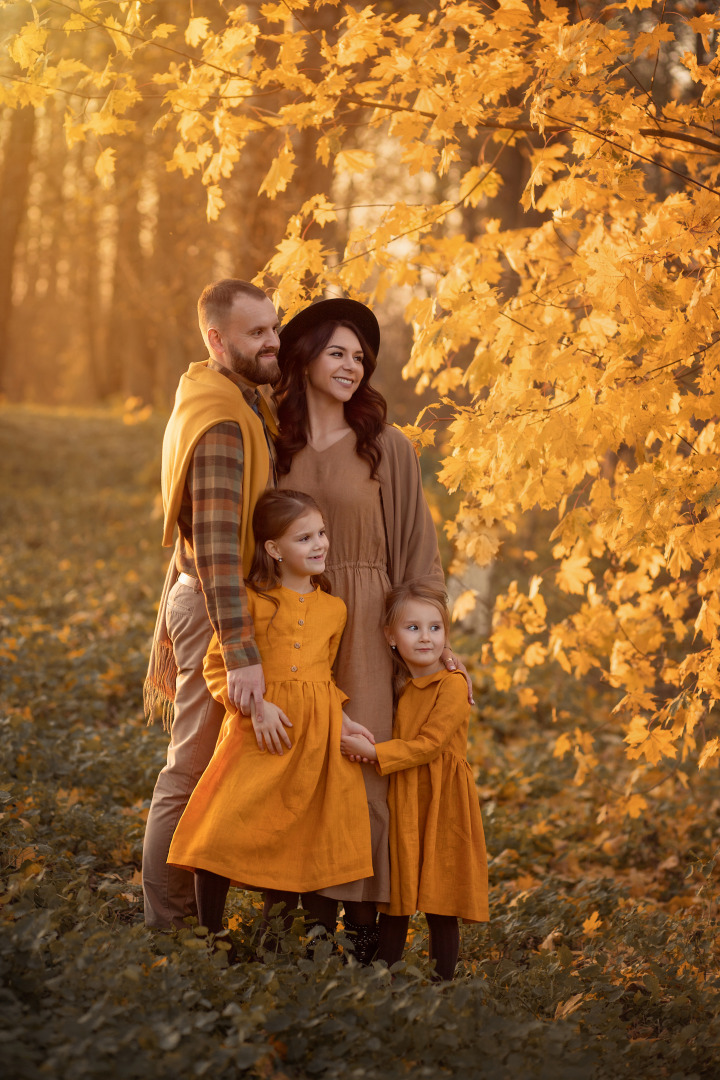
pixel 573 351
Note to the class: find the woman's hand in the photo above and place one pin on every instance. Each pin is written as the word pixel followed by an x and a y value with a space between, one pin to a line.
pixel 454 663
pixel 357 748
pixel 270 728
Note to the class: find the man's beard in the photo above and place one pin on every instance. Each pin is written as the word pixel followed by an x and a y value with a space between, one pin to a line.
pixel 256 369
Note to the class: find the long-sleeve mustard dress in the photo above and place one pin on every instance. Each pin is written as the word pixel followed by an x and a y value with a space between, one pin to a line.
pixel 297 821
pixel 438 862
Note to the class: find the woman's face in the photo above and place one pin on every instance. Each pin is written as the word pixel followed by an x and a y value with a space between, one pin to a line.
pixel 337 371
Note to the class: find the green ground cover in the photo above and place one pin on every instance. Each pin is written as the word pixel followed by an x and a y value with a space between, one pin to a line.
pixel 601 958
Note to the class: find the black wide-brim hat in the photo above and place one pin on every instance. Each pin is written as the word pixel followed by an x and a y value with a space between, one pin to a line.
pixel 336 309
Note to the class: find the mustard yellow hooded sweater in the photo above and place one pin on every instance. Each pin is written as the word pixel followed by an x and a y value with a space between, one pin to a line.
pixel 204 398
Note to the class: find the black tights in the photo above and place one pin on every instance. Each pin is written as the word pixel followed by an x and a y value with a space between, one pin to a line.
pixel 444 941
pixel 211 893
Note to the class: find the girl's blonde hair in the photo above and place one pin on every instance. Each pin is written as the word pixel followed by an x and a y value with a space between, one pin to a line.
pixel 395 602
pixel 275 511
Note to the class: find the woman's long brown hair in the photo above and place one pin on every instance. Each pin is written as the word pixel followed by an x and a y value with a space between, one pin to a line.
pixel 365 412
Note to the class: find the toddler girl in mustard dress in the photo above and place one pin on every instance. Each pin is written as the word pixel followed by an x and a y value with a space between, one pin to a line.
pixel 278 808
pixel 438 863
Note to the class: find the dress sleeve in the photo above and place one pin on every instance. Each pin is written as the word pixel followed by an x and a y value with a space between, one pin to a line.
pixel 412 538
pixel 215 482
pixel 215 673
pixel 334 643
pixel 447 715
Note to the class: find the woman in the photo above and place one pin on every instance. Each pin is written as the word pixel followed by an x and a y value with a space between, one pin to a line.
pixel 364 474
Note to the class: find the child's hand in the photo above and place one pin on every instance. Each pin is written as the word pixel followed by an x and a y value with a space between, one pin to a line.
pixel 357 748
pixel 349 727
pixel 454 663
pixel 270 728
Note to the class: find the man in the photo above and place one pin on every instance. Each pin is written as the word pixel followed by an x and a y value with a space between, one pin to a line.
pixel 216 461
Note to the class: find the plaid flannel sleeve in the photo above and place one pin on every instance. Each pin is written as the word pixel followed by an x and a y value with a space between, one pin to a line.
pixel 215 480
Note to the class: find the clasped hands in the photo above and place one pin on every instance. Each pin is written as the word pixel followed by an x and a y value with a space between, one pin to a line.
pixel 356 742
pixel 246 687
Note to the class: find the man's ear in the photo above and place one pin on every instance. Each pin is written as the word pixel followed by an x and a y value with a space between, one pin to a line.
pixel 215 341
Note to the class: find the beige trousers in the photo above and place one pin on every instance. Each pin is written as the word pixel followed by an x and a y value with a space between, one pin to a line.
pixel 169 893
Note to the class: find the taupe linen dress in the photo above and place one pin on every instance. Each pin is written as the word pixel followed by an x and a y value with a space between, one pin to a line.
pixel 381 533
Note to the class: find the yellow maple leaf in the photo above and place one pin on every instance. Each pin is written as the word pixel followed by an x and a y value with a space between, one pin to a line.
pixel 709 751
pixel 354 161
pixel 563 745
pixel 162 31
pixel 635 806
pixel 657 744
pixel 702 25
pixel 280 172
pixel 592 924
pixel 507 642
pixel 708 618
pixel 215 202
pixel 28 44
pixel 196 30
pixel 651 41
pixel 534 654
pixel 502 678
pixel 105 167
pixel 574 573
pixel 464 604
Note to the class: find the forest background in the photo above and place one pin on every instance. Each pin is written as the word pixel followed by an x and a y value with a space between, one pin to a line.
pixel 527 194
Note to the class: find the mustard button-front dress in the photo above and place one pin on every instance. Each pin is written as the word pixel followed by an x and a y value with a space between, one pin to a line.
pixel 297 821
pixel 351 504
pixel 438 862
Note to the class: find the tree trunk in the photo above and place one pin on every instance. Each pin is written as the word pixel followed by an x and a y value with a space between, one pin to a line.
pixel 13 195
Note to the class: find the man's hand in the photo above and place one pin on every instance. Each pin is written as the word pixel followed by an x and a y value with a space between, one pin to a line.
pixel 454 663
pixel 357 748
pixel 270 728
pixel 245 685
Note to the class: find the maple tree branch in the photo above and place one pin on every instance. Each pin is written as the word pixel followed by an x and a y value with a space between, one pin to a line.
pixel 294 15
pixel 145 41
pixel 680 136
pixel 687 442
pixel 657 54
pixel 635 153
pixel 549 408
pixel 529 128
pixel 635 647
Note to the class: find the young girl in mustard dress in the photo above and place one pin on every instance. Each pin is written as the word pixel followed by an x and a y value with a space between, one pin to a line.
pixel 279 809
pixel 438 863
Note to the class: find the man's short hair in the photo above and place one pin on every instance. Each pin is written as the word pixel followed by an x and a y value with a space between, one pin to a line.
pixel 217 299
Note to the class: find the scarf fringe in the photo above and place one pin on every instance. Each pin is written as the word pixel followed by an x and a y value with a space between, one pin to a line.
pixel 159 686
pixel 159 691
